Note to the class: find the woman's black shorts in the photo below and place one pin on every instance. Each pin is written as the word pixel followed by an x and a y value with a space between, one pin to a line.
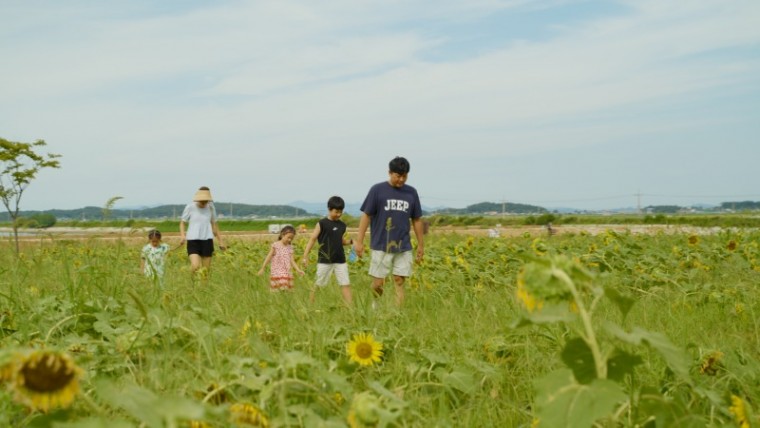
pixel 201 247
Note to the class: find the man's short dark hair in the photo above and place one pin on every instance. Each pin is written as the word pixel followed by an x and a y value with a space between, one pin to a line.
pixel 399 165
pixel 336 203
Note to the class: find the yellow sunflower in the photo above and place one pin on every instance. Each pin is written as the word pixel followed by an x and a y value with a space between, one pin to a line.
pixel 739 412
pixel 244 414
pixel 711 363
pixel 364 350
pixel 46 380
pixel 530 302
pixel 539 247
pixel 7 367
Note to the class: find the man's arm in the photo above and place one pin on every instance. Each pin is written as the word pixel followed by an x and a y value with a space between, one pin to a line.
pixel 363 226
pixel 419 233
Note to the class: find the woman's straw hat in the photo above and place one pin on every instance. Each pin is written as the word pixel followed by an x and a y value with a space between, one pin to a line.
pixel 202 195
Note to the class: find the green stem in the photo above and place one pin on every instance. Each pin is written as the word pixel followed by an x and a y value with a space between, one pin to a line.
pixel 59 324
pixel 590 335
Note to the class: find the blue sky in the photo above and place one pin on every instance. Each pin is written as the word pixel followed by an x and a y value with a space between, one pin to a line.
pixel 558 103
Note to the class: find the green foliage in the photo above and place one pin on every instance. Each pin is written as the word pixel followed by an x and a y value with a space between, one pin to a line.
pixel 624 330
pixel 563 402
pixel 37 221
pixel 19 166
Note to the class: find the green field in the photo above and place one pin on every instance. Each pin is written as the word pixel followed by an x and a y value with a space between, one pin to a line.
pixel 608 330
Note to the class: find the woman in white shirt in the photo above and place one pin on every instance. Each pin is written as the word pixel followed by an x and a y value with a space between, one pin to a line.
pixel 200 217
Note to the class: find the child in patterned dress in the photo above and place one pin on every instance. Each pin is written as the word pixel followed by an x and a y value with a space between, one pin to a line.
pixel 281 256
pixel 153 257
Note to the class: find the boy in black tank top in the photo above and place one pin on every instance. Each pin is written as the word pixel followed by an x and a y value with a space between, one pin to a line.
pixel 329 233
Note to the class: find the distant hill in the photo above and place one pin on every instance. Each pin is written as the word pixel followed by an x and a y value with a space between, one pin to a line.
pixel 224 209
pixel 740 205
pixel 476 209
pixel 235 210
pixel 320 208
pixel 494 208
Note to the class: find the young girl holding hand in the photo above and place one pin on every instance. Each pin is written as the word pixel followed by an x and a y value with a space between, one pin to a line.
pixel 282 261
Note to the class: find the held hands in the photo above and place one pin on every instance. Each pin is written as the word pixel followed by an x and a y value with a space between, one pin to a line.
pixel 359 249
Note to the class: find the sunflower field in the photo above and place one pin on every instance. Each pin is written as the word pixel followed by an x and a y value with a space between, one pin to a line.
pixel 571 330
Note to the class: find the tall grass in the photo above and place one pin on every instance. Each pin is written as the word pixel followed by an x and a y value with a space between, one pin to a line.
pixel 453 355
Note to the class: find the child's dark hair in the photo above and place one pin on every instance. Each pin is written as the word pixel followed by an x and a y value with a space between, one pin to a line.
pixel 399 165
pixel 336 203
pixel 154 233
pixel 285 230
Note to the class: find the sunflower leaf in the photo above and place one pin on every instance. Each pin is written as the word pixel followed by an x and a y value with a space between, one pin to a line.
pixel 563 402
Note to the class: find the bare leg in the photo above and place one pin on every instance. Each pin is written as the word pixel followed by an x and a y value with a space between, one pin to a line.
pixel 399 281
pixel 377 286
pixel 346 291
pixel 195 263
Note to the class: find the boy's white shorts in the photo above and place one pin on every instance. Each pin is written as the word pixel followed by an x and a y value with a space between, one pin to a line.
pixel 325 269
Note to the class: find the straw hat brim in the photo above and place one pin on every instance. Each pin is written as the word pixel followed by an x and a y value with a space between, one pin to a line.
pixel 202 195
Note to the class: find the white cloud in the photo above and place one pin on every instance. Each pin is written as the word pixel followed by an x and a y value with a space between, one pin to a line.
pixel 266 79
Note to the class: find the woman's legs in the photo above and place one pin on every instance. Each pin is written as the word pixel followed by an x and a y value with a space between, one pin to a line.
pixel 195 263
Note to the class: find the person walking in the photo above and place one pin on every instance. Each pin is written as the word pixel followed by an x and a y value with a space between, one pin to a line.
pixel 198 228
pixel 329 233
pixel 391 209
pixel 282 261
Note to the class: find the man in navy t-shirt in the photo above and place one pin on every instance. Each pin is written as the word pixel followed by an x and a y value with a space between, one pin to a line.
pixel 391 209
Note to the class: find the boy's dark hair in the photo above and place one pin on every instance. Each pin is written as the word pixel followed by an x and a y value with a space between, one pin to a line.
pixel 399 165
pixel 336 203
pixel 285 230
pixel 154 233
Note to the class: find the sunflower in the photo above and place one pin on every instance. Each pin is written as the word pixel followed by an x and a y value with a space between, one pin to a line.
pixel 244 414
pixel 7 367
pixel 364 350
pixel 364 412
pixel 213 394
pixel 732 245
pixel 711 363
pixel 693 240
pixel 497 351
pixel 530 302
pixel 46 380
pixel 740 413
pixel 539 247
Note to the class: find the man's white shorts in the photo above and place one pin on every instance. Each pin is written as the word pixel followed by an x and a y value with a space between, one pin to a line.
pixel 325 269
pixel 382 263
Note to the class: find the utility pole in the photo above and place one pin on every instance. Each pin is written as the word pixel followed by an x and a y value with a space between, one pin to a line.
pixel 638 201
